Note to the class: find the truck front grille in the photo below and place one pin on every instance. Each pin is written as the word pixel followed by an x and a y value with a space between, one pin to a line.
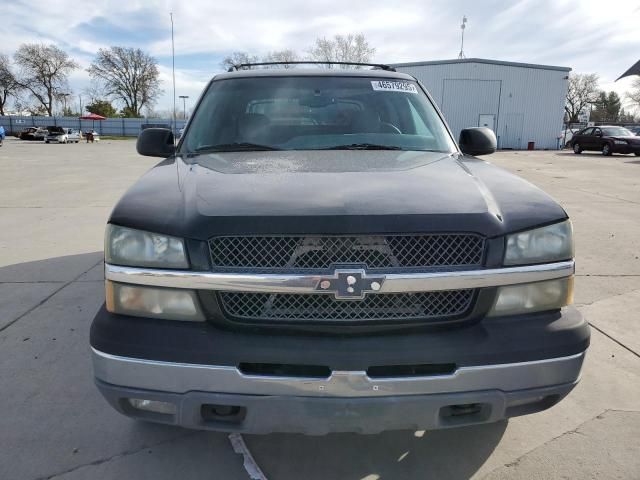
pixel 269 307
pixel 323 252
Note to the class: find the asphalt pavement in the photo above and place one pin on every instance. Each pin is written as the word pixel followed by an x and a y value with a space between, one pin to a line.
pixel 54 203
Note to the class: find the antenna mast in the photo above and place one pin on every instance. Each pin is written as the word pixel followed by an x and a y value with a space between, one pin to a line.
pixel 173 71
pixel 462 27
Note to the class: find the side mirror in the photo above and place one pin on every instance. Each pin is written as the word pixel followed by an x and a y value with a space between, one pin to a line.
pixel 156 142
pixel 477 141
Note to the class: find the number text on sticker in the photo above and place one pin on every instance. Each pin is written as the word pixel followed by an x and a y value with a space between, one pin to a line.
pixel 394 86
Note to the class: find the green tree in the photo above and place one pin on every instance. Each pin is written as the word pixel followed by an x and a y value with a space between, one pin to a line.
pixel 607 107
pixel 130 112
pixel 102 107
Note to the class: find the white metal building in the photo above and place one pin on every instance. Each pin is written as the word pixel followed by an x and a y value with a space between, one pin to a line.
pixel 521 102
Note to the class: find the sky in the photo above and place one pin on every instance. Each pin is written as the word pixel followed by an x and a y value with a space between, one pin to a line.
pixel 590 36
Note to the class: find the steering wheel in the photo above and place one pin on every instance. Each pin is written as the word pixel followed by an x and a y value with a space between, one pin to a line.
pixel 387 127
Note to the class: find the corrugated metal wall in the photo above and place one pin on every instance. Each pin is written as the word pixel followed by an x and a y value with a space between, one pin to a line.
pixel 527 103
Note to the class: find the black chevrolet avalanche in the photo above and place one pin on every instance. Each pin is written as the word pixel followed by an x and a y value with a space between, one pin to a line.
pixel 318 254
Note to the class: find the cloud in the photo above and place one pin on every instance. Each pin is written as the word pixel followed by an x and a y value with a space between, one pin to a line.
pixel 580 35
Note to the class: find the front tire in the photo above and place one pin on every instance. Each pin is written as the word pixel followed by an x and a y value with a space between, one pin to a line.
pixel 577 149
pixel 606 150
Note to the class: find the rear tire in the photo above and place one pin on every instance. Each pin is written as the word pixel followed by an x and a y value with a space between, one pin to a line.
pixel 577 149
pixel 637 154
pixel 606 150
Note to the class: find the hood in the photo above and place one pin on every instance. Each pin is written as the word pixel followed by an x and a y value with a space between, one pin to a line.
pixel 332 192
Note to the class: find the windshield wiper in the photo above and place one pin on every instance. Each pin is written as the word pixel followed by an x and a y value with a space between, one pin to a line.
pixel 234 147
pixel 363 146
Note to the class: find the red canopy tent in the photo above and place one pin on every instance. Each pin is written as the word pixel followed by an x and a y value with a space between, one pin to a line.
pixel 94 117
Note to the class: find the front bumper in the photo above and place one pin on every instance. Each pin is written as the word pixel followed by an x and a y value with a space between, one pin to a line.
pixel 625 149
pixel 503 367
pixel 313 415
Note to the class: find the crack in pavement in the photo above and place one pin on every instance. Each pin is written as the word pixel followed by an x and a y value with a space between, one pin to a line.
pixel 34 282
pixel 126 453
pixel 606 275
pixel 44 300
pixel 629 349
pixel 568 432
pixel 62 207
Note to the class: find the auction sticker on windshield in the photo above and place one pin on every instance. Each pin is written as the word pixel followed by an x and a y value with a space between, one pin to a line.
pixel 394 86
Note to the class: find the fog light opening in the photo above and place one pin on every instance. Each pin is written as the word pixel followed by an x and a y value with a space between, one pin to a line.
pixel 154 406
pixel 223 413
pixel 465 413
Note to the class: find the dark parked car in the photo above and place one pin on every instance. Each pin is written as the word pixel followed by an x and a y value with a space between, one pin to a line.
pixel 606 139
pixel 33 133
pixel 318 254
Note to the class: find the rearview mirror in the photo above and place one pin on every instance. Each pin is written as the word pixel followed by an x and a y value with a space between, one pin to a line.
pixel 477 141
pixel 156 142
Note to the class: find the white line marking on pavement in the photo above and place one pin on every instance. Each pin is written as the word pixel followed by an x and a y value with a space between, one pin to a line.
pixel 250 465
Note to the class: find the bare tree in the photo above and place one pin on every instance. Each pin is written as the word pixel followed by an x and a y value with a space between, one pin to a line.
pixel 286 55
pixel 94 92
pixel 342 48
pixel 129 76
pixel 238 58
pixel 583 90
pixel 44 72
pixel 9 86
pixel 634 95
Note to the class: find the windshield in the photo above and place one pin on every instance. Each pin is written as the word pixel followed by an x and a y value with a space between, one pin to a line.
pixel 616 132
pixel 314 113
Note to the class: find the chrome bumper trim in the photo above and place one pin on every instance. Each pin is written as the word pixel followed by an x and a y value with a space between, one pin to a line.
pixel 182 378
pixel 293 283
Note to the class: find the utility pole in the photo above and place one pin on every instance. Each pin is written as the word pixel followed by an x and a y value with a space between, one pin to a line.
pixel 184 105
pixel 80 99
pixel 462 27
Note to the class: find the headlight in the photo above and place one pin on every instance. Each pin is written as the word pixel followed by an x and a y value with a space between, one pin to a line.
pixel 166 303
pixel 533 297
pixel 126 246
pixel 541 245
pixel 620 142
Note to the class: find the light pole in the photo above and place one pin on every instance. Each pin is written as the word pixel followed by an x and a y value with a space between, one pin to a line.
pixel 184 106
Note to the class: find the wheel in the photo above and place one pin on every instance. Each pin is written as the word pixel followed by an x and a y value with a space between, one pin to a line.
pixel 577 148
pixel 606 150
pixel 637 154
pixel 46 141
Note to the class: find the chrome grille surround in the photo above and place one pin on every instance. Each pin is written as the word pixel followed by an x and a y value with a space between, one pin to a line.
pixel 295 253
pixel 269 307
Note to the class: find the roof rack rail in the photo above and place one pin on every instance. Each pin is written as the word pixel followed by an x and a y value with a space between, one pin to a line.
pixel 376 66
